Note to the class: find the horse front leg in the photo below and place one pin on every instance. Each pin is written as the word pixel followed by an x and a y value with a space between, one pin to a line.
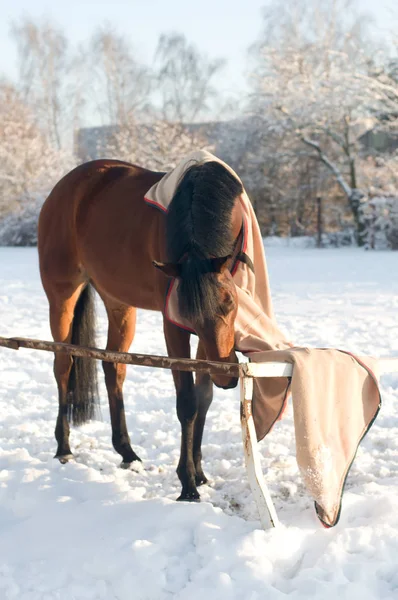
pixel 178 346
pixel 204 395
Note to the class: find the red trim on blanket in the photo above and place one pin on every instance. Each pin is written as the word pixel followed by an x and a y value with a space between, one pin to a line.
pixel 153 203
pixel 324 525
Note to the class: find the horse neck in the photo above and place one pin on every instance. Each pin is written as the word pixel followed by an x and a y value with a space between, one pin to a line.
pixel 234 227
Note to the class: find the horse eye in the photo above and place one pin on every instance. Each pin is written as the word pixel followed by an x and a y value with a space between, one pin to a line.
pixel 228 304
pixel 229 300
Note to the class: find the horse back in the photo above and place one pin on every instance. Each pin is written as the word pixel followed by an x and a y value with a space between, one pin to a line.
pixel 95 225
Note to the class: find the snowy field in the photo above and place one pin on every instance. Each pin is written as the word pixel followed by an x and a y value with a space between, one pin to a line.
pixel 89 530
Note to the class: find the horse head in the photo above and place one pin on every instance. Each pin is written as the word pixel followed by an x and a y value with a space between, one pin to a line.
pixel 208 299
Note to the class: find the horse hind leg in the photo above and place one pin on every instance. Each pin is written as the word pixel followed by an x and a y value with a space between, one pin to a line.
pixel 71 312
pixel 121 330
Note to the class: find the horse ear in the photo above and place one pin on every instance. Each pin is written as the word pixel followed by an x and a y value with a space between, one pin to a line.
pixel 169 269
pixel 219 264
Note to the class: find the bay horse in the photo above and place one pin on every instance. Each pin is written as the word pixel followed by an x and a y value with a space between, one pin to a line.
pixel 97 231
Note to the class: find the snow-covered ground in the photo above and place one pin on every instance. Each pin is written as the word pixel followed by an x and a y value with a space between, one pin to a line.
pixel 89 530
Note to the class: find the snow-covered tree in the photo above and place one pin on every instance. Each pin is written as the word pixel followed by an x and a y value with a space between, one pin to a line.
pixel 30 166
pixel 380 219
pixel 315 79
pixel 158 145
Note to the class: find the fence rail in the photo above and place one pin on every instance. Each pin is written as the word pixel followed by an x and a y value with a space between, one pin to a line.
pixel 267 369
pixel 128 358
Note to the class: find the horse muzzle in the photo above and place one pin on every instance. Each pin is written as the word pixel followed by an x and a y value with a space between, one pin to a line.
pixel 225 383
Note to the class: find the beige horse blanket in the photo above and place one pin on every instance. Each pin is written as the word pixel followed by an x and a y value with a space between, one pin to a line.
pixel 335 395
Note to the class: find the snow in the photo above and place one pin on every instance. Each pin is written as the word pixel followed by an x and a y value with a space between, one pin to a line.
pixel 90 530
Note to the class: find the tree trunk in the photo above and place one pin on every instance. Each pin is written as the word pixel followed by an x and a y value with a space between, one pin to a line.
pixel 354 195
pixel 354 201
pixel 319 222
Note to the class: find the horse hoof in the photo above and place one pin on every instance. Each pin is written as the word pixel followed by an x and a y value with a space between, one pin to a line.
pixel 65 458
pixel 201 479
pixel 189 497
pixel 135 465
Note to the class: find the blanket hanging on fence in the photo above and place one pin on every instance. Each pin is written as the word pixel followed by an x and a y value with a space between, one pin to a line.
pixel 335 396
pixel 335 401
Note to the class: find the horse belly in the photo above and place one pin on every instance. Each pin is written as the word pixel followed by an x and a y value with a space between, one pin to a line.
pixel 136 287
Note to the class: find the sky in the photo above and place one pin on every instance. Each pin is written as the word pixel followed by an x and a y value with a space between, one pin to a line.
pixel 217 27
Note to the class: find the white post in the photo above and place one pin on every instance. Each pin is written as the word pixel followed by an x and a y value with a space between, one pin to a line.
pixel 266 509
pixel 388 365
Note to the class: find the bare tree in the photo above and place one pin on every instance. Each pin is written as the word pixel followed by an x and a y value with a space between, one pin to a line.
pixel 77 90
pixel 43 72
pixel 150 122
pixel 120 82
pixel 185 79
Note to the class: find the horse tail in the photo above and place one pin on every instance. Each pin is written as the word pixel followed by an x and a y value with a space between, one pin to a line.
pixel 83 396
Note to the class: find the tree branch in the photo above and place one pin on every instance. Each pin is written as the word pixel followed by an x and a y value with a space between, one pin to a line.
pixel 331 166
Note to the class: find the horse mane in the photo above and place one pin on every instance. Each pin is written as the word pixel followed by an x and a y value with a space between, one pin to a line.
pixel 198 227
